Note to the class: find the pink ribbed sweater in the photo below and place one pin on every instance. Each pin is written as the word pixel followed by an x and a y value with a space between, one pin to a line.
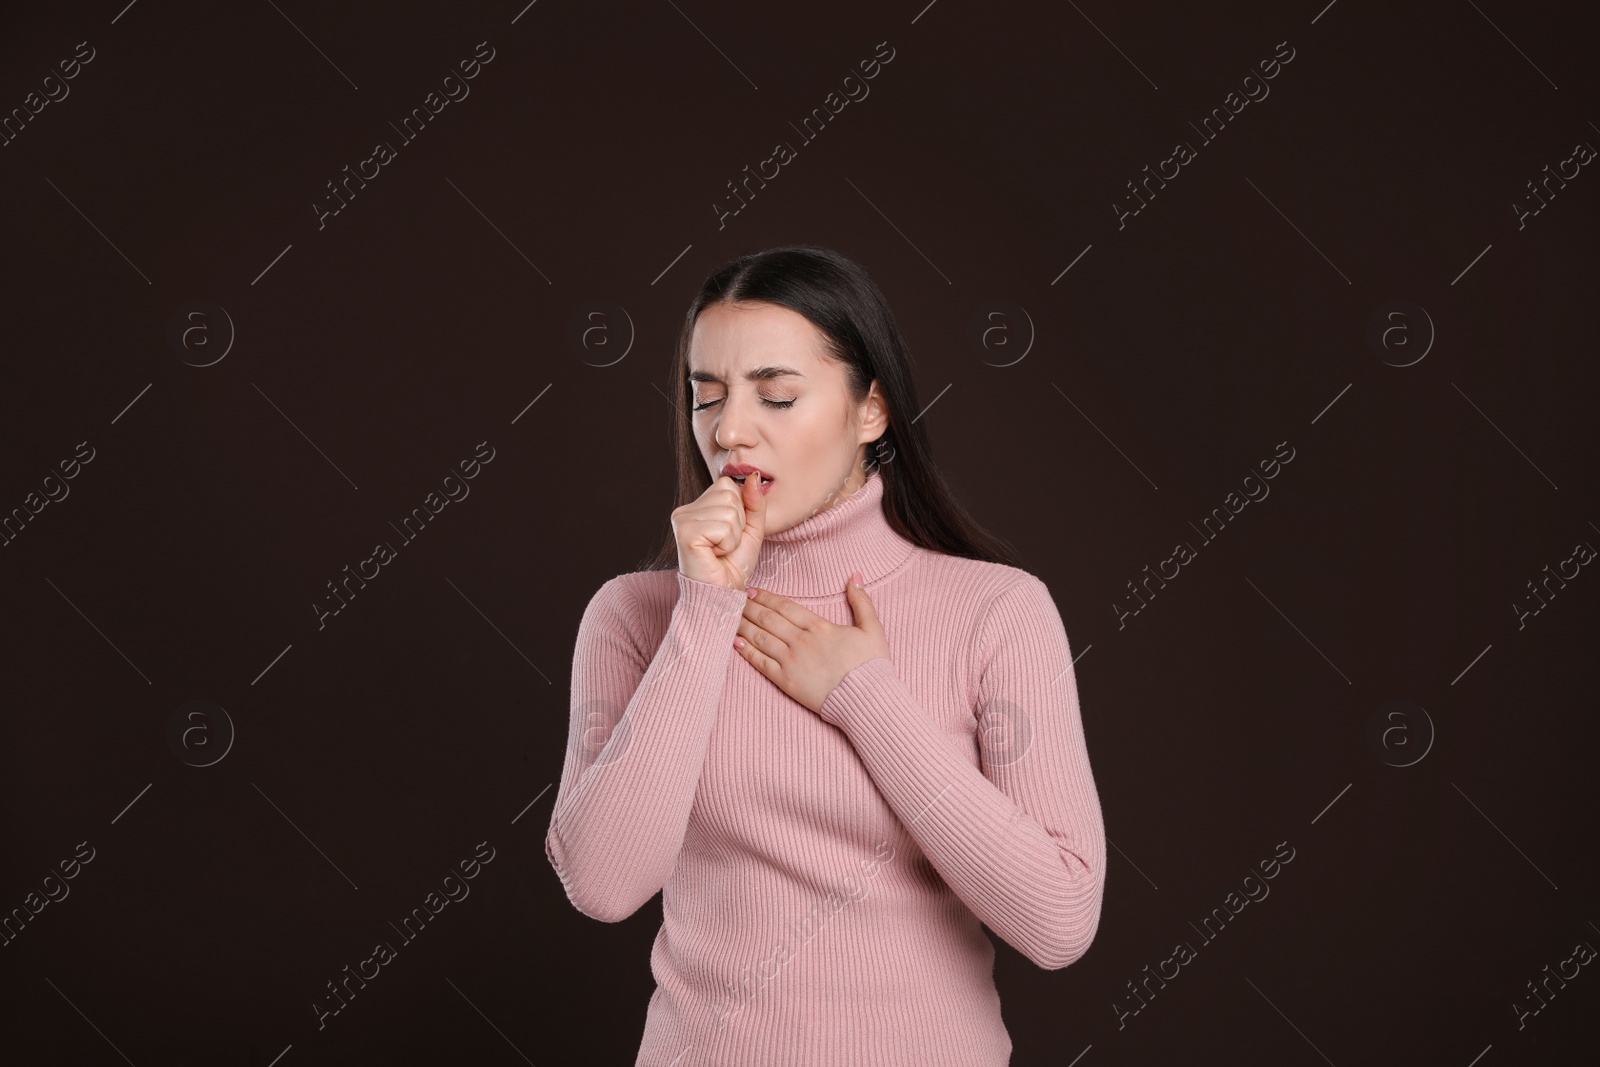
pixel 823 877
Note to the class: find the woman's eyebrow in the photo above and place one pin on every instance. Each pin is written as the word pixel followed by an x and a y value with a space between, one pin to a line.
pixel 759 374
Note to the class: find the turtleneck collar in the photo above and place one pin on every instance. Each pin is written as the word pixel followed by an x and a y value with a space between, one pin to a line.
pixel 816 556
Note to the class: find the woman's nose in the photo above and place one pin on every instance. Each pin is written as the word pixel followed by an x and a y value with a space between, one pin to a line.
pixel 733 427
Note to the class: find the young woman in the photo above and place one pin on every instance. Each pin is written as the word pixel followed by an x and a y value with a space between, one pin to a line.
pixel 833 722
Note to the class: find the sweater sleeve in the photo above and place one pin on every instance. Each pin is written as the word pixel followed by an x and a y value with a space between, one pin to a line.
pixel 640 725
pixel 1021 842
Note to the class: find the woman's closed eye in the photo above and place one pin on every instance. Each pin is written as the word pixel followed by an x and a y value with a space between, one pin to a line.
pixel 764 400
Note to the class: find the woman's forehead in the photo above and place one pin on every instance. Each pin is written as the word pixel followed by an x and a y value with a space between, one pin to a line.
pixel 754 346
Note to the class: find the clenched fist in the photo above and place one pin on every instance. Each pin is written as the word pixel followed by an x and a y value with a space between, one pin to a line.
pixel 719 534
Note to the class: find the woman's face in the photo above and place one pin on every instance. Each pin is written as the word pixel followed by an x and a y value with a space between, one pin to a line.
pixel 764 395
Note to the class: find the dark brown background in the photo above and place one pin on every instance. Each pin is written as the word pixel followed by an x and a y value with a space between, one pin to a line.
pixel 1171 358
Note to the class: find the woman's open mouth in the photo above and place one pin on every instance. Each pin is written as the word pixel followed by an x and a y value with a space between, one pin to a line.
pixel 766 483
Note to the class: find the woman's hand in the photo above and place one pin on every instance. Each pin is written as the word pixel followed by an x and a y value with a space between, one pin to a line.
pixel 719 534
pixel 802 653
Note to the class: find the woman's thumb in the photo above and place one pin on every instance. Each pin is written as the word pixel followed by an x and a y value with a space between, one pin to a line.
pixel 866 613
pixel 755 505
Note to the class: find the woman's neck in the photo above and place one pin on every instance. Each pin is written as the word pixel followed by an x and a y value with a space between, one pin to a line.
pixel 816 556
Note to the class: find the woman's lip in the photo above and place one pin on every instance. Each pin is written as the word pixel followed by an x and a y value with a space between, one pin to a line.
pixel 763 486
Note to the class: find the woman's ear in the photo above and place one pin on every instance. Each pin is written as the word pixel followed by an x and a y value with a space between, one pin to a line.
pixel 875 418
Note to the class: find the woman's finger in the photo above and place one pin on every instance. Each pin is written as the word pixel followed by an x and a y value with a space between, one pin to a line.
pixel 778 613
pixel 760 660
pixel 764 641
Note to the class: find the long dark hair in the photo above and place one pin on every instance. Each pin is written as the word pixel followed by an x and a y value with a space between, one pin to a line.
pixel 836 295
